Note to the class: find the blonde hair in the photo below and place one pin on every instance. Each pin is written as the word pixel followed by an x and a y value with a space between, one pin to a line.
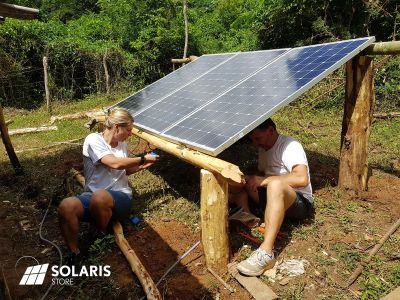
pixel 118 115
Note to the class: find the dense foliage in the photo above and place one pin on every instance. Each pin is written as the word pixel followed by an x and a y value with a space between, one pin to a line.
pixel 138 38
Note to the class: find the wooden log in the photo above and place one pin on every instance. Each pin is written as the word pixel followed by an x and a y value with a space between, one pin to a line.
pixel 137 267
pixel 356 125
pixel 46 84
pixel 18 12
pixel 386 115
pixel 229 171
pixel 383 48
pixel 8 145
pixel 374 250
pixel 214 220
pixel 31 130
pixel 79 115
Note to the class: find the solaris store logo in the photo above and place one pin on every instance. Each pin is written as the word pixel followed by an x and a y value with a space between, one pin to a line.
pixel 62 275
pixel 34 275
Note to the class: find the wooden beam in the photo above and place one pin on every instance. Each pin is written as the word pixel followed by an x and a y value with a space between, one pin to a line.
pixel 229 171
pixel 8 145
pixel 18 12
pixel 357 118
pixel 383 48
pixel 214 220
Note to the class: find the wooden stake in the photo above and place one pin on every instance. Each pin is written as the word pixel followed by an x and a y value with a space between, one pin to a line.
pixel 106 73
pixel 137 267
pixel 8 145
pixel 362 264
pixel 214 220
pixel 46 84
pixel 357 118
pixel 185 8
pixel 224 283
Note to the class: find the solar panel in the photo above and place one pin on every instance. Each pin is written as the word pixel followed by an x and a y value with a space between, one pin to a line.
pixel 220 123
pixel 159 89
pixel 214 101
pixel 188 99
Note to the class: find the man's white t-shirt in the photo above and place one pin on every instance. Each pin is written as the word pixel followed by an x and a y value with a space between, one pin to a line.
pixel 99 176
pixel 281 158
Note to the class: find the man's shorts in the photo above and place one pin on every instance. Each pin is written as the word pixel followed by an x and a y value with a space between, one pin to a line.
pixel 300 209
pixel 121 210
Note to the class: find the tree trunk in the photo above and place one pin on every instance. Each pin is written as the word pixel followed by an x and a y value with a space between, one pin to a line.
pixel 8 145
pixel 357 118
pixel 214 220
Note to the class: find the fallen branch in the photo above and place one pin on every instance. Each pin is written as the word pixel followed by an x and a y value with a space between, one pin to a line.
pixel 87 114
pixel 137 267
pixel 386 115
pixel 362 264
pixel 8 122
pixel 31 129
pixel 54 144
pixel 225 284
pixel 77 176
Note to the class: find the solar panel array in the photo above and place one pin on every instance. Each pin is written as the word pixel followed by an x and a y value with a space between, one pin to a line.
pixel 217 99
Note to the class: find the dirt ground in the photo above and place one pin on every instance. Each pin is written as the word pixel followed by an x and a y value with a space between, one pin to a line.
pixel 159 242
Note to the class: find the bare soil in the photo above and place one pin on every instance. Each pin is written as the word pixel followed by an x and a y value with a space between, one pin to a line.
pixel 159 242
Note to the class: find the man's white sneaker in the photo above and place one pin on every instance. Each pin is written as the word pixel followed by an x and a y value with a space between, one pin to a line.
pixel 257 263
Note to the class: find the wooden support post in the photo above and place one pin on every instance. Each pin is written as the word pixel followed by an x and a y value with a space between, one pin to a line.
pixel 108 88
pixel 8 145
pixel 357 118
pixel 46 83
pixel 214 220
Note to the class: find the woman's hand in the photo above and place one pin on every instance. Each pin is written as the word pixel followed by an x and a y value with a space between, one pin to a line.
pixel 149 160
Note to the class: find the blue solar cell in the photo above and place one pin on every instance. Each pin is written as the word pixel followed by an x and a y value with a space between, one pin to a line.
pixel 170 83
pixel 219 123
pixel 188 99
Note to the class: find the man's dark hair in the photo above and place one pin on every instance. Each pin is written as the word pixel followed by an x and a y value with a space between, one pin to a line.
pixel 267 123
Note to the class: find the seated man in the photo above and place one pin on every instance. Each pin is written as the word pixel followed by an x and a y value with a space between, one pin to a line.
pixel 284 183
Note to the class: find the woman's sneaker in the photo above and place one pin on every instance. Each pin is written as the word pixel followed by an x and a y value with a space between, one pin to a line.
pixel 257 263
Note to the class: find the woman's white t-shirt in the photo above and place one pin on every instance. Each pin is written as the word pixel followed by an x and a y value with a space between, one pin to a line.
pixel 281 158
pixel 99 176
